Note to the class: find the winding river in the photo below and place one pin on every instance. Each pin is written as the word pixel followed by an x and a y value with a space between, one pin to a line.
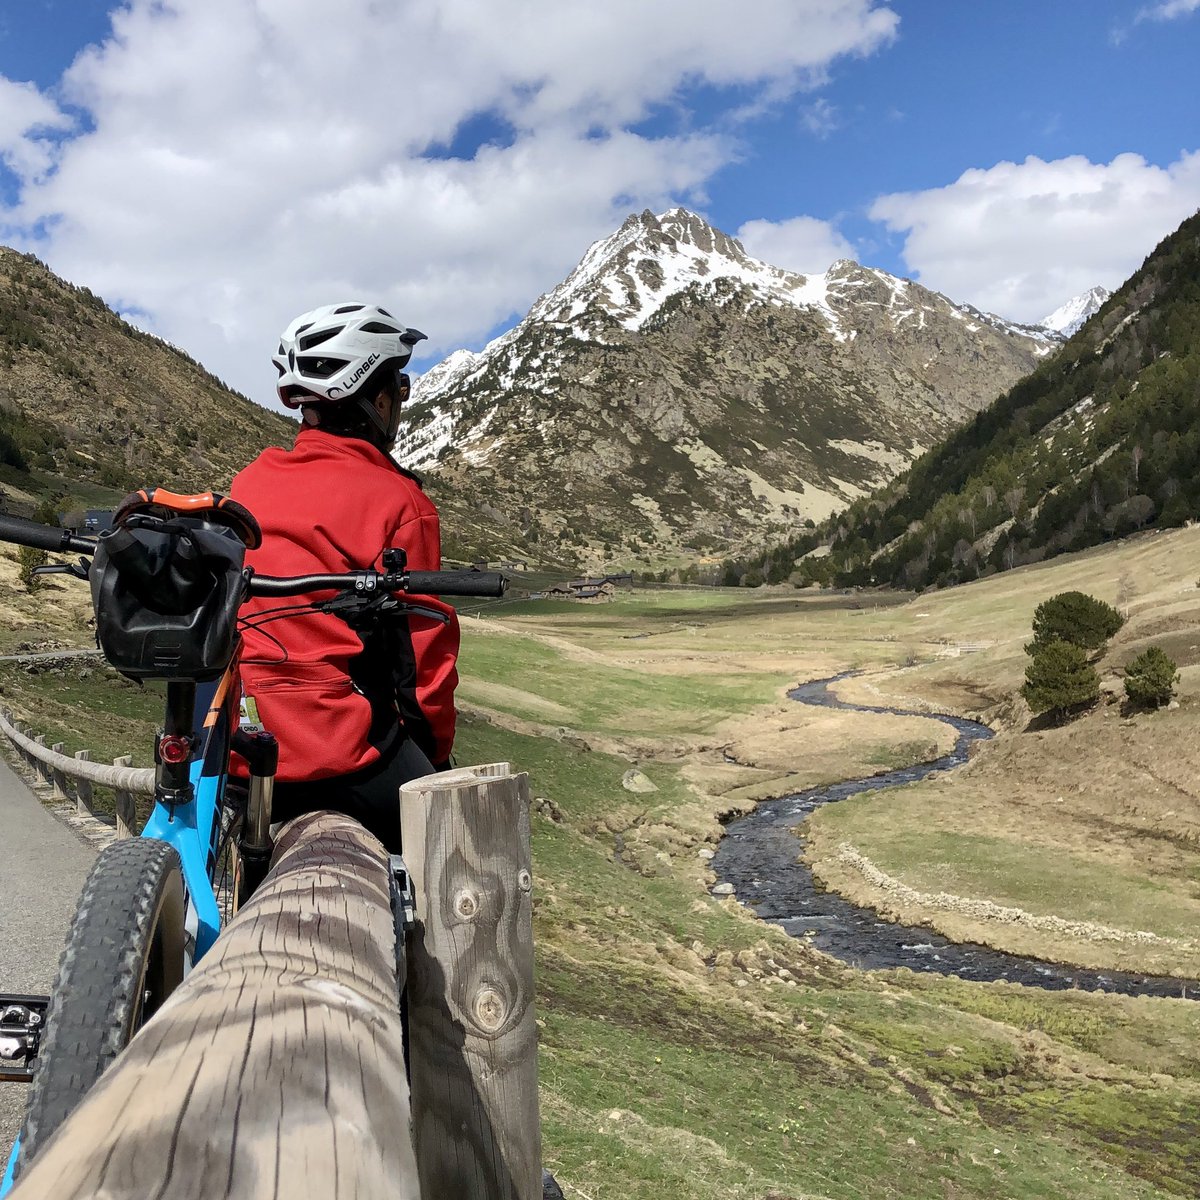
pixel 760 857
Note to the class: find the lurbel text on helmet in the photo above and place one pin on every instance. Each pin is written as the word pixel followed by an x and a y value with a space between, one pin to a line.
pixel 351 380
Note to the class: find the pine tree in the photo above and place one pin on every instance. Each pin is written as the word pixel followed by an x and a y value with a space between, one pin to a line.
pixel 1150 678
pixel 1059 679
pixel 1074 617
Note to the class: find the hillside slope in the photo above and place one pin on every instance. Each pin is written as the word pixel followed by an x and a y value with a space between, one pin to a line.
pixel 87 399
pixel 1100 441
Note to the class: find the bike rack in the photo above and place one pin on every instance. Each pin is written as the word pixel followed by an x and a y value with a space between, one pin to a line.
pixel 22 1023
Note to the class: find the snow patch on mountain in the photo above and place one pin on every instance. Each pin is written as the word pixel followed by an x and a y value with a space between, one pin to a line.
pixel 631 274
pixel 1069 318
pixel 625 279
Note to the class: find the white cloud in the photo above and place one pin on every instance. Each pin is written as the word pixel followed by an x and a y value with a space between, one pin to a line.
pixel 1168 10
pixel 241 160
pixel 802 244
pixel 820 118
pixel 27 121
pixel 1019 239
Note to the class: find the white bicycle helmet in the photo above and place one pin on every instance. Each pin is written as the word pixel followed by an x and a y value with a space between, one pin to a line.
pixel 333 352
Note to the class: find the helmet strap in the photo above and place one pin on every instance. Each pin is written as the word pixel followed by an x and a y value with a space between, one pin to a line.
pixel 373 415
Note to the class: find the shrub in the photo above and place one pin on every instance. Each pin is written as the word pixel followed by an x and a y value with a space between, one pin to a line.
pixel 1074 617
pixel 1150 678
pixel 1059 679
pixel 27 559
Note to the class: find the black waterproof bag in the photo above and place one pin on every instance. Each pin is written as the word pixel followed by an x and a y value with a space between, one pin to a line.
pixel 166 588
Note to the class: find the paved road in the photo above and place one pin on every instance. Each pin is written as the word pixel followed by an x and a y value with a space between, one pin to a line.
pixel 42 868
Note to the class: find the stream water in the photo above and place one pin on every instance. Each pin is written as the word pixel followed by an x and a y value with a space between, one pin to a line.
pixel 760 857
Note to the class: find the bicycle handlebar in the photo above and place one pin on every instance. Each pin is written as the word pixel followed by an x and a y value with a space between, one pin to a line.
pixel 489 584
pixel 420 583
pixel 43 537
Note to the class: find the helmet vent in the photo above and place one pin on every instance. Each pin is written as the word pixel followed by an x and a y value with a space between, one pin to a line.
pixel 379 327
pixel 348 308
pixel 320 368
pixel 315 339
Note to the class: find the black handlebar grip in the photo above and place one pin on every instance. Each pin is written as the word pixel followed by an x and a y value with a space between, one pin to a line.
pixel 43 537
pixel 457 583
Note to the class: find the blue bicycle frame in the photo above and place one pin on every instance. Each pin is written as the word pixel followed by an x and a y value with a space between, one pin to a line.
pixel 193 826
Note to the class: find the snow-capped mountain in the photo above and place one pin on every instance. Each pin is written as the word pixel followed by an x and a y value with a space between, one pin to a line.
pixel 1070 317
pixel 673 394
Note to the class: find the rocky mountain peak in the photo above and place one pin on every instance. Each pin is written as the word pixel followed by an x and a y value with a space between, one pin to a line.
pixel 627 276
pixel 675 396
pixel 1068 318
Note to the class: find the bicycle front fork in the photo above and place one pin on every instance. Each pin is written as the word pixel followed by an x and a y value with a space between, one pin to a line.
pixel 261 752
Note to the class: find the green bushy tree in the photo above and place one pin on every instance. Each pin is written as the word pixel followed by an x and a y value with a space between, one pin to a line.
pixel 1150 678
pixel 1059 679
pixel 1076 618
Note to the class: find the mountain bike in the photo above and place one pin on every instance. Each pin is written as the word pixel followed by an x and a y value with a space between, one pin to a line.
pixel 167 581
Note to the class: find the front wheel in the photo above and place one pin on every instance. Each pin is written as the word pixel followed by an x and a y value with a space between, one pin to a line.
pixel 123 958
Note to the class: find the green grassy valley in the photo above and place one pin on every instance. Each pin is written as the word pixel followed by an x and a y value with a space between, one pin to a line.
pixel 688 1049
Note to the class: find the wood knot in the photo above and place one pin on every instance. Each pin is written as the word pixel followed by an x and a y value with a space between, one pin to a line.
pixel 524 880
pixel 490 1010
pixel 466 905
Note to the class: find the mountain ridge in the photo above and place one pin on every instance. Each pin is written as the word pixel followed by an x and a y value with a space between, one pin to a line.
pixel 1099 442
pixel 671 361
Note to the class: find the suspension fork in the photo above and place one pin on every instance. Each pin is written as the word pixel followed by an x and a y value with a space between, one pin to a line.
pixel 261 752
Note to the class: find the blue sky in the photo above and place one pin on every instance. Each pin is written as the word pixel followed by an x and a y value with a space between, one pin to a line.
pixel 215 166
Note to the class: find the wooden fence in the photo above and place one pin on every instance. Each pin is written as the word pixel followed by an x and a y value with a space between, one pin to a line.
pixel 277 1068
pixel 74 777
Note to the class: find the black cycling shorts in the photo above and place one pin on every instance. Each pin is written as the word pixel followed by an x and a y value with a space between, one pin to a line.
pixel 370 795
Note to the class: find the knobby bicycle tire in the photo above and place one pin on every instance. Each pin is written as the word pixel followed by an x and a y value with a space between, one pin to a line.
pixel 123 957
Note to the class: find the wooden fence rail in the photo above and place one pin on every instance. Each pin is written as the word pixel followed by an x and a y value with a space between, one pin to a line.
pixel 74 777
pixel 277 1068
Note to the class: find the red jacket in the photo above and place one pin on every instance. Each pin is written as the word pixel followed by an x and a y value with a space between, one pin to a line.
pixel 326 692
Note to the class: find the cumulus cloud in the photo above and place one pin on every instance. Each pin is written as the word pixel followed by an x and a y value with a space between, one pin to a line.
pixel 28 124
pixel 239 160
pixel 1019 239
pixel 802 244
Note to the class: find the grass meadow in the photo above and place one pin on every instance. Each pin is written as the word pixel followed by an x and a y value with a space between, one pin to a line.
pixel 686 1049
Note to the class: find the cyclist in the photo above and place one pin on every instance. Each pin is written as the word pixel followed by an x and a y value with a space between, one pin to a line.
pixel 357 711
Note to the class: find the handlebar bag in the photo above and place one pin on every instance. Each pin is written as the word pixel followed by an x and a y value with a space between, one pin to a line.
pixel 166 594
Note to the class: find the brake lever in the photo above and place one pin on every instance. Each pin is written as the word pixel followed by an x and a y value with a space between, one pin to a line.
pixel 79 570
pixel 352 607
pixel 419 610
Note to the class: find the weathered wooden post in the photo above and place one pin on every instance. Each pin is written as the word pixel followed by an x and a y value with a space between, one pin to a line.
pixel 58 781
pixel 38 764
pixel 27 754
pixel 277 1067
pixel 125 807
pixel 83 786
pixel 22 729
pixel 472 1034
